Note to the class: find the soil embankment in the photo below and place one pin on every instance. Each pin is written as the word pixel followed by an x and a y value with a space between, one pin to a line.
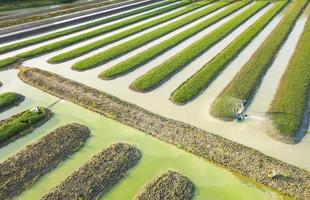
pixel 20 171
pixel 238 158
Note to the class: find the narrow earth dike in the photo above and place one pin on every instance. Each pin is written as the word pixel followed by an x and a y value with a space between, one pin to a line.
pixel 242 160
pixel 20 171
pixel 98 175
pixel 22 123
pixel 170 185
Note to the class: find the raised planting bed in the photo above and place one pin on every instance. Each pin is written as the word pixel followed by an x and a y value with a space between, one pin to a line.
pixel 141 58
pixel 53 12
pixel 166 70
pixel 22 123
pixel 240 159
pixel 170 185
pixel 8 62
pixel 148 36
pixel 195 85
pixel 98 175
pixel 290 109
pixel 245 84
pixel 118 50
pixel 36 40
pixel 10 99
pixel 26 167
pixel 94 33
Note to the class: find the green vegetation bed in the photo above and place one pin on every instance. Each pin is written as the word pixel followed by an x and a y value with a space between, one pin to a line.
pixel 98 175
pixel 170 185
pixel 238 158
pixel 163 72
pixel 10 99
pixel 8 62
pixel 143 57
pixel 22 124
pixel 289 107
pixel 26 167
pixel 130 45
pixel 36 40
pixel 74 53
pixel 248 79
pixel 199 81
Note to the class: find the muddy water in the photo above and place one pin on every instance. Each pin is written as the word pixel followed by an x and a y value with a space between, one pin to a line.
pixel 212 182
pixel 250 133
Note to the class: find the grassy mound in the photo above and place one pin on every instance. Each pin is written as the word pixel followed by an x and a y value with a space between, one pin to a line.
pixel 9 99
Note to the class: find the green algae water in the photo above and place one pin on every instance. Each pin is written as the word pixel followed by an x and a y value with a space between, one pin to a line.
pixel 211 181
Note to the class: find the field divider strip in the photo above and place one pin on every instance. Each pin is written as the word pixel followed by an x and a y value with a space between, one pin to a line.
pixel 161 73
pixel 26 43
pixel 246 82
pixel 197 83
pixel 74 53
pixel 141 58
pixel 290 180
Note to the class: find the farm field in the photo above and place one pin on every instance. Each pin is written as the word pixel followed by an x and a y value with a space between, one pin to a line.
pixel 233 71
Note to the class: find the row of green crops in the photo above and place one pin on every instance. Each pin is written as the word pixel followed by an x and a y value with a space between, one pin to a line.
pixel 9 99
pixel 20 123
pixel 4 63
pixel 143 57
pixel 91 34
pixel 159 74
pixel 19 45
pixel 103 42
pixel 120 49
pixel 289 106
pixel 199 81
pixel 245 83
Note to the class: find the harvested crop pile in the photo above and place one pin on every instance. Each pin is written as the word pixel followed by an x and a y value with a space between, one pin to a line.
pixel 168 186
pixel 98 175
pixel 20 171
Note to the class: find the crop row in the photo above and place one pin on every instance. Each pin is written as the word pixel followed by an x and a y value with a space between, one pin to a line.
pixel 199 81
pixel 22 124
pixel 164 71
pixel 20 171
pixel 289 106
pixel 125 47
pixel 74 53
pixel 98 175
pixel 169 185
pixel 143 57
pixel 91 34
pixel 10 99
pixel 19 45
pixel 68 9
pixel 248 79
pixel 8 62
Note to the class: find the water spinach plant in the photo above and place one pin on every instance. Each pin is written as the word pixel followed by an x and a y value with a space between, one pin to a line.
pixel 192 87
pixel 290 106
pixel 164 71
pixel 130 45
pixel 74 53
pixel 36 40
pixel 248 79
pixel 10 99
